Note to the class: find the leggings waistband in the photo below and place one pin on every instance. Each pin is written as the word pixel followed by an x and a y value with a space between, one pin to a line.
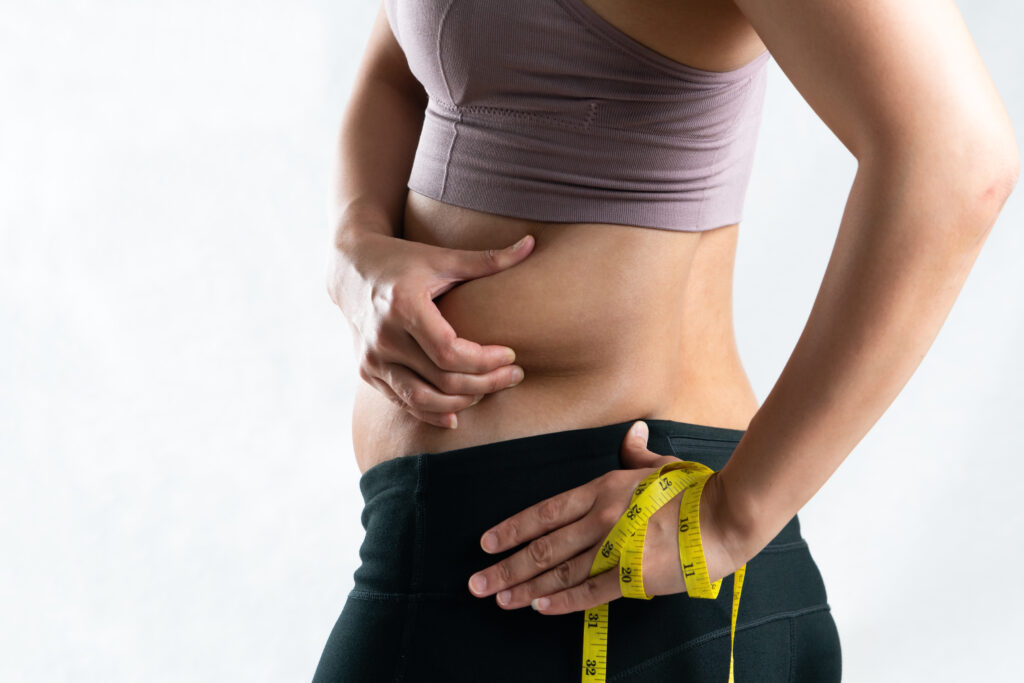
pixel 424 513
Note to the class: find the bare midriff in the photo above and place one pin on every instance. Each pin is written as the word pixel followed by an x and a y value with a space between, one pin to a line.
pixel 609 322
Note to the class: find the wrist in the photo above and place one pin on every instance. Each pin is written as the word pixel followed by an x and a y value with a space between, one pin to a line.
pixel 358 220
pixel 743 533
pixel 347 263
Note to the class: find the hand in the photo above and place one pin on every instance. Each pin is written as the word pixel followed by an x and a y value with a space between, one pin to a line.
pixel 565 532
pixel 386 288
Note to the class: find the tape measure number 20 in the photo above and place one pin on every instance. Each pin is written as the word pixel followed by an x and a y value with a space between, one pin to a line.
pixel 624 547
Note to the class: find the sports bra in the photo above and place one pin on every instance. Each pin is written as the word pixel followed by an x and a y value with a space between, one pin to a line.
pixel 541 109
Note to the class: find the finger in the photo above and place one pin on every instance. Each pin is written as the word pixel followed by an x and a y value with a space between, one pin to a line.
pixel 634 450
pixel 538 556
pixel 591 592
pixel 539 518
pixel 449 351
pixel 421 395
pixel 445 420
pixel 564 575
pixel 411 355
pixel 467 264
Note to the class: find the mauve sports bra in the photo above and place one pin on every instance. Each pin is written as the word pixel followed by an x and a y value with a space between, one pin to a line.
pixel 541 109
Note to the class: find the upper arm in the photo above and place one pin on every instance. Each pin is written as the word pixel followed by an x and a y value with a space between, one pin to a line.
pixel 889 77
pixel 383 59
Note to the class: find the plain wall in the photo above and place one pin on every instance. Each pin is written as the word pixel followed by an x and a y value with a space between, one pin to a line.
pixel 179 496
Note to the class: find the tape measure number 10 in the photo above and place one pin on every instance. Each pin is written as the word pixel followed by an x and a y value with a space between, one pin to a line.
pixel 624 548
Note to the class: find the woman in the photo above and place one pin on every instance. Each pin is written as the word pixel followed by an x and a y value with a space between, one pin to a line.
pixel 501 383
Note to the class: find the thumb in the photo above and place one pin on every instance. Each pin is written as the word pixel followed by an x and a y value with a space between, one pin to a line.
pixel 467 264
pixel 634 449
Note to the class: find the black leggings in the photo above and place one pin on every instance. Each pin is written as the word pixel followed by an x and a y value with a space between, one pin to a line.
pixel 411 617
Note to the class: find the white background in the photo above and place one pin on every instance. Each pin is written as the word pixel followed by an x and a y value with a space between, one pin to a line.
pixel 179 496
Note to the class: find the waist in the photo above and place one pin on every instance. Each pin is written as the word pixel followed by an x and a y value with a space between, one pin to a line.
pixel 608 322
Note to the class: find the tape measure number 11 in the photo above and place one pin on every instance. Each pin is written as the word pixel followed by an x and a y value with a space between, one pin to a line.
pixel 624 548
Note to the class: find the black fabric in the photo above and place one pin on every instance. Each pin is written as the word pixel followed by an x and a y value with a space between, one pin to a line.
pixel 411 617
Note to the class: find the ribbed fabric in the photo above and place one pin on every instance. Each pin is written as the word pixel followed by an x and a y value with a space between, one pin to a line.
pixel 541 109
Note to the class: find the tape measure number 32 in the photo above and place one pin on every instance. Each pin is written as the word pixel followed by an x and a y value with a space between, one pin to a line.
pixel 624 547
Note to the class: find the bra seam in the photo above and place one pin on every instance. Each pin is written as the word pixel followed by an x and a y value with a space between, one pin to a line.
pixel 581 126
pixel 741 109
pixel 602 28
pixel 437 48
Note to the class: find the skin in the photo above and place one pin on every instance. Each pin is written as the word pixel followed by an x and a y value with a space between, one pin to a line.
pixel 901 85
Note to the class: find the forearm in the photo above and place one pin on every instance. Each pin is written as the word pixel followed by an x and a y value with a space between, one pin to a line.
pixel 376 143
pixel 906 243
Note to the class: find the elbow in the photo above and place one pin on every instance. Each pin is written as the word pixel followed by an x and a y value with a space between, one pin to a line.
pixel 949 193
pixel 976 177
pixel 994 187
pixel 1002 187
pixel 1004 170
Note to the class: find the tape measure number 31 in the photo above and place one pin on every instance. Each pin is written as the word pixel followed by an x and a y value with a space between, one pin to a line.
pixel 624 548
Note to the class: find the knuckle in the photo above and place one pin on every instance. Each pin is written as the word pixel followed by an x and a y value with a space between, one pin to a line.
pixel 385 345
pixel 549 511
pixel 608 515
pixel 368 358
pixel 511 531
pixel 489 257
pixel 540 551
pixel 619 477
pixel 364 374
pixel 447 383
pixel 563 574
pixel 446 353
pixel 589 589
pixel 606 481
pixel 504 572
pixel 402 303
pixel 417 396
pixel 404 392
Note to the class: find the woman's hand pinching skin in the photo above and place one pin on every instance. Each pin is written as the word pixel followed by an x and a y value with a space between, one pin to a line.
pixel 563 534
pixel 386 287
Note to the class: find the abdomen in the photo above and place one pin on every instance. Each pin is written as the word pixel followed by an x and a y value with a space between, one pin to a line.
pixel 597 315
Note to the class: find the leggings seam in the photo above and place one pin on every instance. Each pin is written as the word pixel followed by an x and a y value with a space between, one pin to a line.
pixel 417 568
pixel 792 647
pixel 719 633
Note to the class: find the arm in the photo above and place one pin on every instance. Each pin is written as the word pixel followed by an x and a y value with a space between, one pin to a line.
pixel 377 139
pixel 902 85
pixel 385 285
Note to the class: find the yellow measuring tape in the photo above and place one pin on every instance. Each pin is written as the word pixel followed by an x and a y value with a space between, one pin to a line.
pixel 624 546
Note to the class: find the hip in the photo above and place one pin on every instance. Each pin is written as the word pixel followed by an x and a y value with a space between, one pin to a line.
pixel 423 517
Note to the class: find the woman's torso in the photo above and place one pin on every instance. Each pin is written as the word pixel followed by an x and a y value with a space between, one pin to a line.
pixel 609 322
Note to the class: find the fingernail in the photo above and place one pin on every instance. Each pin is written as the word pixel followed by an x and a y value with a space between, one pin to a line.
pixel 477 400
pixel 517 376
pixel 489 542
pixel 510 355
pixel 478 583
pixel 521 242
pixel 453 422
pixel 540 603
pixel 639 430
pixel 504 597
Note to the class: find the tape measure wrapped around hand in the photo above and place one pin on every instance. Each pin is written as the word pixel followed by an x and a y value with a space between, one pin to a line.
pixel 624 548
